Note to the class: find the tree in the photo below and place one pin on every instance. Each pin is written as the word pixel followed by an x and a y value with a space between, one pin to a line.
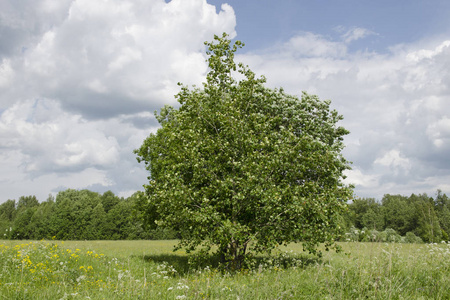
pixel 21 228
pixel 72 214
pixel 97 228
pixel 40 222
pixel 120 221
pixel 8 210
pixel 367 213
pixel 7 216
pixel 26 207
pixel 244 167
pixel 109 200
pixel 27 202
pixel 373 220
pixel 398 213
pixel 427 226
pixel 442 208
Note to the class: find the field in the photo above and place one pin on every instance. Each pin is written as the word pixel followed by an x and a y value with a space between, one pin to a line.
pixel 150 270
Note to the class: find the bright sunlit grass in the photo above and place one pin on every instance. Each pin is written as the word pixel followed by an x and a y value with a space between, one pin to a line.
pixel 150 270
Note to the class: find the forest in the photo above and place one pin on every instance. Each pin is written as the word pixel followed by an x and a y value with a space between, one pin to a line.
pixel 88 215
pixel 417 218
pixel 76 215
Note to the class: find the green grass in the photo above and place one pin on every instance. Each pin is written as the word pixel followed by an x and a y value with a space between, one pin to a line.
pixel 150 270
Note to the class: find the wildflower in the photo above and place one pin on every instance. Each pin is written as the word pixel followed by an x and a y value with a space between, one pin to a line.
pixel 182 286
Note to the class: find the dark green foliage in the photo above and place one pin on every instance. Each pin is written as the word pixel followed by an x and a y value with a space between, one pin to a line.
pixel 40 222
pixel 442 208
pixel 366 212
pixel 397 213
pixel 97 228
pixel 109 200
pixel 26 202
pixel 21 227
pixel 410 237
pixel 428 227
pixel 417 217
pixel 426 221
pixel 8 210
pixel 76 215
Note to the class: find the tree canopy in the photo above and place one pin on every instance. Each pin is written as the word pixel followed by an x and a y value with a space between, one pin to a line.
pixel 244 167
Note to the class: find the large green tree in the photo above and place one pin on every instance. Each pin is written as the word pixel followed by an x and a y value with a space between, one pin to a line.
pixel 244 167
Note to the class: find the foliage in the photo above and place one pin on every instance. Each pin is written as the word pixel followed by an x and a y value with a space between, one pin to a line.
pixel 76 215
pixel 244 167
pixel 389 235
pixel 123 220
pixel 410 237
pixel 366 212
pixel 414 216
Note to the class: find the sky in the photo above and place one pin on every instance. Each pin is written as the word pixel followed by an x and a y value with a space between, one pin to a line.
pixel 80 80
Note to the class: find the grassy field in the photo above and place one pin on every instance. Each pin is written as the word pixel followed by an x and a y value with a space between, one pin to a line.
pixel 150 270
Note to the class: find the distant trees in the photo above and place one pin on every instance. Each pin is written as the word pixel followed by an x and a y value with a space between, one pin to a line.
pixel 75 215
pixel 418 215
pixel 86 215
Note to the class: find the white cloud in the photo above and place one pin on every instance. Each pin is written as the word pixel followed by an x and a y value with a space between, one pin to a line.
pixel 113 52
pixel 422 54
pixel 53 140
pixel 356 33
pixel 439 132
pixel 41 144
pixel 313 45
pixel 98 67
pixel 78 79
pixel 357 178
pixel 6 73
pixel 395 160
pixel 395 106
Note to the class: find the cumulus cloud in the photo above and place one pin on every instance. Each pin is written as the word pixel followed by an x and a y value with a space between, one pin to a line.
pixel 54 140
pixel 313 45
pixel 394 104
pixel 353 34
pixel 439 132
pixel 127 55
pixel 79 78
pixel 42 143
pixel 79 81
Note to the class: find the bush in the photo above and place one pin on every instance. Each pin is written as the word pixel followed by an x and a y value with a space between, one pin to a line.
pixel 352 235
pixel 389 235
pixel 411 238
pixel 371 236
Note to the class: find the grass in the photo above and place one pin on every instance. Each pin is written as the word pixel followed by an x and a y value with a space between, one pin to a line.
pixel 150 270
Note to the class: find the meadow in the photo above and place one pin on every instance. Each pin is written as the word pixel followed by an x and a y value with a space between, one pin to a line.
pixel 151 270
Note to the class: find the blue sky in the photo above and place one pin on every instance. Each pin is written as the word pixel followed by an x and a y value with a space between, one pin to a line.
pixel 80 79
pixel 262 23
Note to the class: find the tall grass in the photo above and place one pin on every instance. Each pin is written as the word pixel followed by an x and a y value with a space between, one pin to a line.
pixel 150 270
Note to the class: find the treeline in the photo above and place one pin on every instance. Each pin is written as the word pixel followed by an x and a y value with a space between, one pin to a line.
pixel 87 215
pixel 415 218
pixel 76 215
